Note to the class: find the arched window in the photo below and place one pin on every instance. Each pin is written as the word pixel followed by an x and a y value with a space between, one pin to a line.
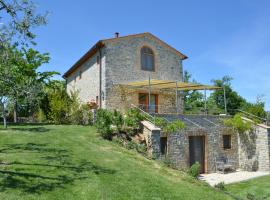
pixel 147 59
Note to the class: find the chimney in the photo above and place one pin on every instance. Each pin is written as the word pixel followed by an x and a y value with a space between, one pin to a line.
pixel 116 34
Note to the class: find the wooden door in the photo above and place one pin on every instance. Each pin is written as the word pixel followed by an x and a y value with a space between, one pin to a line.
pixel 197 151
pixel 144 102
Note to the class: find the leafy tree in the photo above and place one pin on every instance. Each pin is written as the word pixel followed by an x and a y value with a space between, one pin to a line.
pixel 233 100
pixel 256 109
pixel 19 18
pixel 193 99
pixel 24 82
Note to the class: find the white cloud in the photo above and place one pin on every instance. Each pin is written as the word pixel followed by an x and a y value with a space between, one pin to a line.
pixel 245 56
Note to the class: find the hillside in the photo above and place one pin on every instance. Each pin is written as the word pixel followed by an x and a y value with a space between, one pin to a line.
pixel 73 162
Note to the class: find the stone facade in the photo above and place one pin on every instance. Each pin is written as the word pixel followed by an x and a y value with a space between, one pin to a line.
pixel 249 151
pixel 121 64
pixel 178 147
pixel 88 85
pixel 254 149
pixel 152 139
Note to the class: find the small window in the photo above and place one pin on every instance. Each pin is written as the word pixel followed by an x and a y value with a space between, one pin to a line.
pixel 163 145
pixel 80 75
pixel 227 142
pixel 97 100
pixel 75 78
pixel 147 59
pixel 98 60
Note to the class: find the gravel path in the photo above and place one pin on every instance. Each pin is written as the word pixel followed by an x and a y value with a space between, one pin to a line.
pixel 238 176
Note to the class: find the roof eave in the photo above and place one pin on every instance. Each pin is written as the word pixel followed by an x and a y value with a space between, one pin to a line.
pixel 85 57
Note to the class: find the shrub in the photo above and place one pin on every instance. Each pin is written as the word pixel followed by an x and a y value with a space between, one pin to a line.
pixel 174 126
pixel 87 118
pixel 41 117
pixel 104 123
pixel 238 124
pixel 194 170
pixel 160 122
pixel 251 196
pixel 169 127
pixel 132 120
pixel 59 107
pixel 220 186
pixel 117 120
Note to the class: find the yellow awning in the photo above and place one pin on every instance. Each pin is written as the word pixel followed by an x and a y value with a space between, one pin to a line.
pixel 167 84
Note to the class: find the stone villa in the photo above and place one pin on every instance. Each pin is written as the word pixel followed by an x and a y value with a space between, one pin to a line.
pixel 103 75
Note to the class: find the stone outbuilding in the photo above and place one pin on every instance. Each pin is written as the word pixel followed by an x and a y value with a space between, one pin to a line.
pixel 205 139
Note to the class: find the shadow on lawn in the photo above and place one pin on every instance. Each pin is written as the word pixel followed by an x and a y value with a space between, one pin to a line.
pixel 55 170
pixel 34 129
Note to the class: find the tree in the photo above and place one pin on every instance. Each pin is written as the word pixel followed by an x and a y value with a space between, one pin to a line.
pixel 233 100
pixel 19 17
pixel 193 99
pixel 256 108
pixel 20 75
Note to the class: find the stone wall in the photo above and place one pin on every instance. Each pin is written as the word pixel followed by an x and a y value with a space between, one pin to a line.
pixel 254 149
pixel 152 138
pixel 88 85
pixel 123 65
pixel 121 98
pixel 178 147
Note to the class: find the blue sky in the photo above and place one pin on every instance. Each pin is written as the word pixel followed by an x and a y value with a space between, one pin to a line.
pixel 220 38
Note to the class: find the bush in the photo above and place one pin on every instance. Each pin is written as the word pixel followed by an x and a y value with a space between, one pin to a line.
pixel 174 126
pixel 132 121
pixel 220 186
pixel 160 122
pixel 117 120
pixel 251 196
pixel 194 170
pixel 238 124
pixel 59 107
pixel 133 117
pixel 41 117
pixel 104 123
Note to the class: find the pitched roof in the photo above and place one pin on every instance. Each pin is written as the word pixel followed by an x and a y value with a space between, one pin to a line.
pixel 101 43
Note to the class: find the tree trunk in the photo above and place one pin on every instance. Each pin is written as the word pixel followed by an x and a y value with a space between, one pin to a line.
pixel 4 116
pixel 15 112
pixel 5 120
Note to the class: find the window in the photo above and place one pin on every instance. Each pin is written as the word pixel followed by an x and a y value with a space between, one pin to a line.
pixel 147 59
pixel 227 142
pixel 80 75
pixel 163 145
pixel 97 100
pixel 98 60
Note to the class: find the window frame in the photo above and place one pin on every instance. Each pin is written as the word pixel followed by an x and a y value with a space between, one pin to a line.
pixel 145 68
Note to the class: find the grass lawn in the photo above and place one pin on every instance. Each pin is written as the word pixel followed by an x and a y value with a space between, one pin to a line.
pixel 73 162
pixel 259 187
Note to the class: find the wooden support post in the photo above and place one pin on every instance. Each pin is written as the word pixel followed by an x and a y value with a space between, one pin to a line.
pixel 225 100
pixel 149 94
pixel 176 97
pixel 205 105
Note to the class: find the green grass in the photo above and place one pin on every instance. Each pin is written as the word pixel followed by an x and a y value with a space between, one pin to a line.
pixel 73 162
pixel 259 187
